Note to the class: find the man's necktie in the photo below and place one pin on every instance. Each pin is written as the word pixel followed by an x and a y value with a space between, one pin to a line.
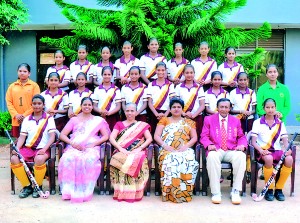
pixel 223 135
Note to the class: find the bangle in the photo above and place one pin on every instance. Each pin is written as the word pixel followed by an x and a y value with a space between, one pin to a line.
pixel 162 145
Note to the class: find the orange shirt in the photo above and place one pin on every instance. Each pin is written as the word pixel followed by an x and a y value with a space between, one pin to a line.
pixel 18 98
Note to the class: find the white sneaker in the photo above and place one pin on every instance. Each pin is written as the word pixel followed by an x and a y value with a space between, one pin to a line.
pixel 235 197
pixel 216 198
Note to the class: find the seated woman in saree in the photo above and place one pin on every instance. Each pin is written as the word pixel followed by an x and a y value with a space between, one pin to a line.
pixel 178 167
pixel 79 166
pixel 129 170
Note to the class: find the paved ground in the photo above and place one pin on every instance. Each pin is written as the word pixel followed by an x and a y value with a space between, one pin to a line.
pixel 103 209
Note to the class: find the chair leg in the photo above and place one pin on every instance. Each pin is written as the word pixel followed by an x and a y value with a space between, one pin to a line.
pixel 204 173
pixel 231 180
pixel 204 179
pixel 12 182
pixel 293 181
pixel 293 172
pixel 157 173
pixel 254 174
pixel 108 157
pixel 51 173
pixel 101 176
pixel 197 182
pixel 149 158
pixel 244 185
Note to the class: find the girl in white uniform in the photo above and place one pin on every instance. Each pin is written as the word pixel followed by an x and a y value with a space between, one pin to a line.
pixel 214 93
pixel 107 99
pixel 61 69
pixel 149 61
pixel 230 69
pixel 204 66
pixel 124 64
pixel 82 65
pixel 176 65
pixel 97 69
pixel 56 101
pixel 77 95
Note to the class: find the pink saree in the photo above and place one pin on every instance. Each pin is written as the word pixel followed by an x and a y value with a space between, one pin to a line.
pixel 78 171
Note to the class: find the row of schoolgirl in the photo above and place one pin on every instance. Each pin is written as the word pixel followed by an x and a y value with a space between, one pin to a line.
pixel 108 98
pixel 204 66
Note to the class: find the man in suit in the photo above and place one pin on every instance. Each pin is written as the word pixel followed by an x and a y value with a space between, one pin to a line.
pixel 224 140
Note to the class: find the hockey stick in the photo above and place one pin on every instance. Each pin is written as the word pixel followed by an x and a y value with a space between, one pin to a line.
pixel 28 172
pixel 275 171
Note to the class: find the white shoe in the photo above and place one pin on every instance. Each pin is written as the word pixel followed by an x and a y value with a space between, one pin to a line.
pixel 216 198
pixel 235 197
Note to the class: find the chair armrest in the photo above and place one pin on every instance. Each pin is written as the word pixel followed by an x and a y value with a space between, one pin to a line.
pixel 53 150
pixel 252 153
pixel 150 151
pixel 202 154
pixel 198 152
pixel 54 146
pixel 60 146
pixel 108 149
pixel 198 146
pixel 102 150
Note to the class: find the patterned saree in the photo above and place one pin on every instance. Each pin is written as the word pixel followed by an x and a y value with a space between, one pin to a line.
pixel 129 173
pixel 178 170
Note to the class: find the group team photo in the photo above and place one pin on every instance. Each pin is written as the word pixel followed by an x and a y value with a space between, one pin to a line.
pixel 177 107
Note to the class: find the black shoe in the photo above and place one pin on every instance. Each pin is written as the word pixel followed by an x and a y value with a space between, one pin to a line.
pixel 248 177
pixel 269 196
pixel 35 193
pixel 25 192
pixel 279 195
pixel 229 177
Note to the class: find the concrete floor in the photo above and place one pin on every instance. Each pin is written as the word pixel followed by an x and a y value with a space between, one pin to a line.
pixel 151 209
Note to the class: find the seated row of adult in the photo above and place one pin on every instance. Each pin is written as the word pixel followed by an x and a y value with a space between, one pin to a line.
pixel 80 167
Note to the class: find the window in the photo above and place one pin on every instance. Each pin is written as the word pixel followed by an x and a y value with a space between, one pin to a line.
pixel 274 55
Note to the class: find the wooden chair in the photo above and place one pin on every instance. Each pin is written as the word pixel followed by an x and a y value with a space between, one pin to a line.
pixel 100 181
pixel 110 149
pixel 255 166
pixel 157 172
pixel 50 170
pixel 225 165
